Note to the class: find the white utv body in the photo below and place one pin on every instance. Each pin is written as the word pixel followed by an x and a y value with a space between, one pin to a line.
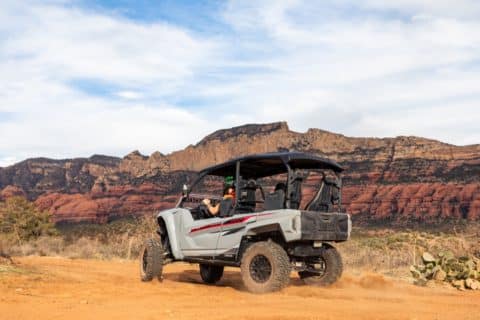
pixel 266 234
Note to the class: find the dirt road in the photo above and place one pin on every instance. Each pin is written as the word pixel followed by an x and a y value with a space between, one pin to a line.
pixel 58 288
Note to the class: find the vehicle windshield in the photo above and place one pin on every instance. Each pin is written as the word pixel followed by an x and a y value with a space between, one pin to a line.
pixel 208 187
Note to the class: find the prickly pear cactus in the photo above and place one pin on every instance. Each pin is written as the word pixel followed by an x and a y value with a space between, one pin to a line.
pixel 462 272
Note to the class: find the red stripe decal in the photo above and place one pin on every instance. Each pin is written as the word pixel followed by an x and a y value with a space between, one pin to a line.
pixel 208 226
pixel 228 223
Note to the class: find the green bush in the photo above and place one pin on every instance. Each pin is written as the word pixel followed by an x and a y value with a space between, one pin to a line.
pixel 21 221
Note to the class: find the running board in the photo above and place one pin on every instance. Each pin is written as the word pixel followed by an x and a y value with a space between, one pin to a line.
pixel 212 261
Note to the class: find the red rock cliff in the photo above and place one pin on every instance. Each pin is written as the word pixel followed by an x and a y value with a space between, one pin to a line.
pixel 393 179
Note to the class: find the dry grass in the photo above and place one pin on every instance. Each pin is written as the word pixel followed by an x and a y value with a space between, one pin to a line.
pixel 119 239
pixel 392 251
pixel 384 250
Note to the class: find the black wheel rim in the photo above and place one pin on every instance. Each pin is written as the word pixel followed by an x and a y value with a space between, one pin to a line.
pixel 144 260
pixel 260 269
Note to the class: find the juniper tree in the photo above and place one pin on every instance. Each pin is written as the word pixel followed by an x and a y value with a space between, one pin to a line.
pixel 21 220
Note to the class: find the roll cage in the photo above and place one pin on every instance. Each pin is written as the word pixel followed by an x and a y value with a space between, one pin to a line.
pixel 258 166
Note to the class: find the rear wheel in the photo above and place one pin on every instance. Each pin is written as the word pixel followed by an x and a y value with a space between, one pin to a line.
pixel 211 274
pixel 323 270
pixel 151 260
pixel 265 267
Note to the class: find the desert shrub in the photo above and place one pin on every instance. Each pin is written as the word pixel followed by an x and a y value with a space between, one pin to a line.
pixel 122 238
pixel 393 251
pixel 4 252
pixel 83 248
pixel 21 221
pixel 49 246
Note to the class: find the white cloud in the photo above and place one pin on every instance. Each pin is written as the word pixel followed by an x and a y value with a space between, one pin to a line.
pixel 94 125
pixel 6 161
pixel 360 68
pixel 129 95
pixel 336 72
pixel 44 49
pixel 457 9
pixel 57 44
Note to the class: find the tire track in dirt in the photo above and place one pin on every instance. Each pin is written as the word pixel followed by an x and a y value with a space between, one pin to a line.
pixel 58 288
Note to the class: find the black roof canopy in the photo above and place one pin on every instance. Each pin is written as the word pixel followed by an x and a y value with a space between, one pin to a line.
pixel 267 164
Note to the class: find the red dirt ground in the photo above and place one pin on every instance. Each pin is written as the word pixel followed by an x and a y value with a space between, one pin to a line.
pixel 59 288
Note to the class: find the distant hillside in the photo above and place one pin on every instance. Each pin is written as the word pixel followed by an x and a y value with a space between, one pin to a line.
pixel 386 179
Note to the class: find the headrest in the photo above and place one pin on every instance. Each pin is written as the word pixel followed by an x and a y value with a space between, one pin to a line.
pixel 251 184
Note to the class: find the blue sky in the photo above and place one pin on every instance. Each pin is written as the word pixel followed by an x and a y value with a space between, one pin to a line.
pixel 85 77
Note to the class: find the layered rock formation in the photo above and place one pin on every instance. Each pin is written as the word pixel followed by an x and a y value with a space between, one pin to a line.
pixel 393 179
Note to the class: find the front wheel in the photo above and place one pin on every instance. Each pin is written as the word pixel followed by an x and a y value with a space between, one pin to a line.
pixel 328 268
pixel 265 267
pixel 211 274
pixel 151 260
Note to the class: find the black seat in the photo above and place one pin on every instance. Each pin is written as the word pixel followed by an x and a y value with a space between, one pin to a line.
pixel 248 194
pixel 247 197
pixel 226 208
pixel 326 198
pixel 274 200
pixel 295 191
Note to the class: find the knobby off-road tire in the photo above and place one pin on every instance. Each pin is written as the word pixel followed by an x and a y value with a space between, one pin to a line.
pixel 333 268
pixel 211 274
pixel 151 260
pixel 265 267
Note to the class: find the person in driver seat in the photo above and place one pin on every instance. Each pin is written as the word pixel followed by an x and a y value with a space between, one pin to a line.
pixel 228 195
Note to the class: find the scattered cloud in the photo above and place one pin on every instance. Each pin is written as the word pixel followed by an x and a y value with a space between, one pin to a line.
pixel 67 74
pixel 129 95
pixel 349 66
pixel 77 80
pixel 6 161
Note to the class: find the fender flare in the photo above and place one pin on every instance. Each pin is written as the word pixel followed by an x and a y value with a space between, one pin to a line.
pixel 169 222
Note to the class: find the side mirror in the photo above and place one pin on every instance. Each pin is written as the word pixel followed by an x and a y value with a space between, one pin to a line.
pixel 185 190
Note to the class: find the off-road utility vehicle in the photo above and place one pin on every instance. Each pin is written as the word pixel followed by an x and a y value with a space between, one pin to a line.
pixel 267 233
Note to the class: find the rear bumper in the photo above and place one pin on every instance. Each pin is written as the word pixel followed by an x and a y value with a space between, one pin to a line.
pixel 325 226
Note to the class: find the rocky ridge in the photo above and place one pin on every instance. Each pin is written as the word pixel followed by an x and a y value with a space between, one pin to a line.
pixel 386 179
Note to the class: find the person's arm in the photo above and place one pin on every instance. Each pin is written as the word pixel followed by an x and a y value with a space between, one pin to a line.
pixel 213 209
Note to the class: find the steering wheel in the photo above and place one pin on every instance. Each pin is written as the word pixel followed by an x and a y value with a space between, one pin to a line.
pixel 204 211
